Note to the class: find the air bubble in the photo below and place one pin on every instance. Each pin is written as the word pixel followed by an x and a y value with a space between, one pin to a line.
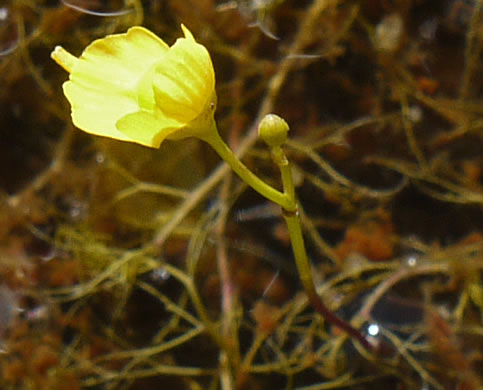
pixel 8 309
pixel 83 6
pixel 160 275
pixel 77 210
pixel 100 158
pixel 415 114
pixel 373 330
pixel 9 37
pixel 411 260
pixel 389 33
pixel 3 14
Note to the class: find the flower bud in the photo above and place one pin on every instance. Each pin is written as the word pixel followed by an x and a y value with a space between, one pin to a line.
pixel 273 130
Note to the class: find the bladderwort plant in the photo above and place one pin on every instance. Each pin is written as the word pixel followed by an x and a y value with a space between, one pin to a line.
pixel 134 87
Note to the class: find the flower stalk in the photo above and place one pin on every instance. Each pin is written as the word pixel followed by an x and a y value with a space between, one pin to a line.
pixel 294 226
pixel 216 142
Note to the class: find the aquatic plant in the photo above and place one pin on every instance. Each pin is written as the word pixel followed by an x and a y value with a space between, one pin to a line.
pixel 132 87
pixel 125 259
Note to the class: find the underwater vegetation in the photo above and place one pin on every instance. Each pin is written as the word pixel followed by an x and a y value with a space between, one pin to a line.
pixel 131 267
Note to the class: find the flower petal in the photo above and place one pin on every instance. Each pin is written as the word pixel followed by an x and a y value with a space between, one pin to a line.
pixel 102 86
pixel 187 33
pixel 146 129
pixel 184 80
pixel 96 112
pixel 119 61
pixel 64 58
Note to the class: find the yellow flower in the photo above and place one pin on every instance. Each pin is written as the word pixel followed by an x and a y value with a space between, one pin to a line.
pixel 134 87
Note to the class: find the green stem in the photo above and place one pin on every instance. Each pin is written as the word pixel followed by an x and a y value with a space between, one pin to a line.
pixel 266 190
pixel 298 247
pixel 294 226
pixel 305 274
pixel 292 220
pixel 286 172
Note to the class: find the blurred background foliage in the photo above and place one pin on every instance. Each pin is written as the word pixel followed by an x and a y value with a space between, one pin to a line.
pixel 123 267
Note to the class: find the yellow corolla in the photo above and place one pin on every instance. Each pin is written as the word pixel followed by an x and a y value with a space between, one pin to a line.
pixel 134 87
